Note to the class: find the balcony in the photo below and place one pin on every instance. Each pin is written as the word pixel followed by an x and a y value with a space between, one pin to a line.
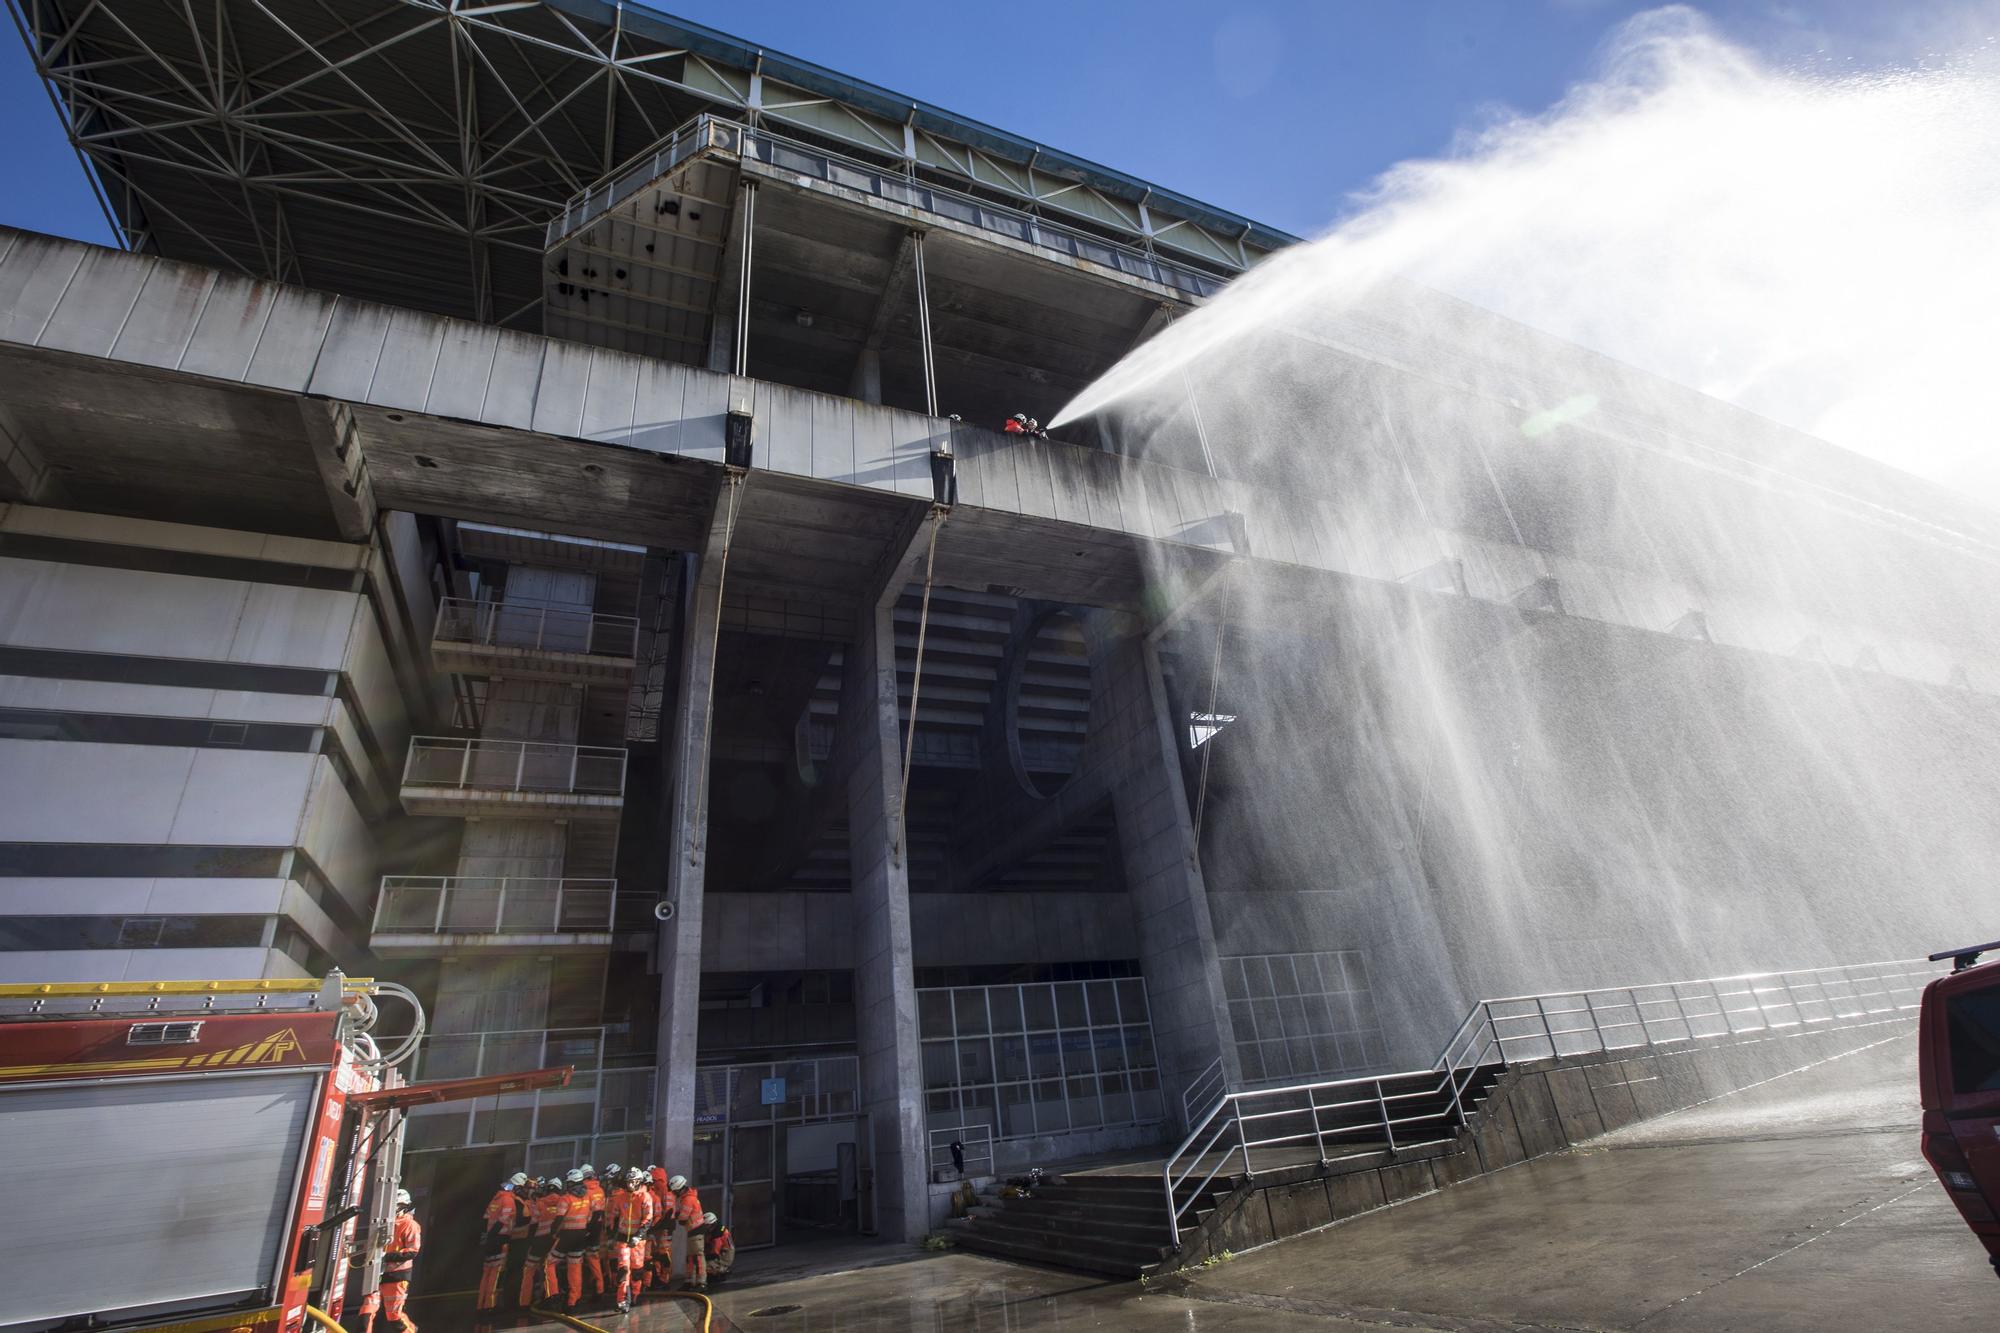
pixel 534 641
pixel 422 915
pixel 475 776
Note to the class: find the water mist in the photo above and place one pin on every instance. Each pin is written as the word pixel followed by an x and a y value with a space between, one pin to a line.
pixel 1600 678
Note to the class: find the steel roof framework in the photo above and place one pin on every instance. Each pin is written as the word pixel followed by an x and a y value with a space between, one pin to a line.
pixel 257 134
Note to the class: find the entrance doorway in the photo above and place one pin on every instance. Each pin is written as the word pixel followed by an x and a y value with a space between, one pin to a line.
pixel 780 1148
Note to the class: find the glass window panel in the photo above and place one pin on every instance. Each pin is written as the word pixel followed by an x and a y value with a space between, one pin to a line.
pixel 1117 1102
pixel 1039 1007
pixel 1283 980
pixel 1331 979
pixel 970 1005
pixel 1010 1056
pixel 1257 978
pixel 1017 1110
pixel 941 1104
pixel 1069 1004
pixel 1233 983
pixel 1044 1057
pixel 1268 1024
pixel 1076 1054
pixel 1132 1000
pixel 1357 975
pixel 1292 1013
pixel 1004 1004
pixel 1084 1111
pixel 1051 1107
pixel 1139 1048
pixel 750 1154
pixel 1110 1047
pixel 1103 1003
pixel 976 1107
pixel 707 1171
pixel 1242 1015
pixel 1146 1104
pixel 975 1060
pixel 748 1103
pixel 1250 1055
pixel 934 1012
pixel 940 1065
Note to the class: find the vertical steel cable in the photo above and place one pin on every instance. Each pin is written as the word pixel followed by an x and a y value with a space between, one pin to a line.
pixel 938 513
pixel 734 480
pixel 1214 682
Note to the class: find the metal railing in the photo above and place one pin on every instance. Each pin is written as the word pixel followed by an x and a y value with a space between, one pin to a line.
pixel 1356 1117
pixel 598 1103
pixel 1207 1088
pixel 479 763
pixel 494 905
pixel 535 625
pixel 975 1139
pixel 709 132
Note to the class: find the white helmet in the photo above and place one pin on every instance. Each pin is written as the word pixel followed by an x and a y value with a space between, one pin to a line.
pixel 403 1199
pixel 518 1179
pixel 708 1219
pixel 677 1183
pixel 635 1177
pixel 611 1172
pixel 589 1171
pixel 575 1176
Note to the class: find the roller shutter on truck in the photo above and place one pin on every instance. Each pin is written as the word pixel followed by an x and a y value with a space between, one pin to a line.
pixel 144 1199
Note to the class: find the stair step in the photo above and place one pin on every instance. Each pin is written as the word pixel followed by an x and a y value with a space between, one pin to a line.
pixel 1056 1256
pixel 1134 1252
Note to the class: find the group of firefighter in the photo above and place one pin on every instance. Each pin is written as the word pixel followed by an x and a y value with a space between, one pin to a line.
pixel 616 1231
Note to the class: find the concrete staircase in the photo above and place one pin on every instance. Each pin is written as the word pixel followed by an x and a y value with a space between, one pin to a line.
pixel 1115 1223
pixel 1110 1224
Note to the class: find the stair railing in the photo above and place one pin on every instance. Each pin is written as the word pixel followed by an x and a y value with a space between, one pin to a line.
pixel 1403 1111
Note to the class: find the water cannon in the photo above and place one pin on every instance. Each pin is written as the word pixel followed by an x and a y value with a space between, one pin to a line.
pixel 1966 957
pixel 736 426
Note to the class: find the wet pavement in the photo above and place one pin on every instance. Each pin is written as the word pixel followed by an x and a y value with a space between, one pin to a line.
pixel 1798 1205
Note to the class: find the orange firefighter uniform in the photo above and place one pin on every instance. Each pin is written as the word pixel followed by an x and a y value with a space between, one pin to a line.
pixel 629 1214
pixel 662 1236
pixel 720 1250
pixel 399 1260
pixel 573 1240
pixel 502 1218
pixel 548 1210
pixel 593 1255
pixel 687 1212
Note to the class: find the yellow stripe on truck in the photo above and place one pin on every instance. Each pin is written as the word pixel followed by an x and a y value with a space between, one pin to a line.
pixel 34 990
pixel 250 1321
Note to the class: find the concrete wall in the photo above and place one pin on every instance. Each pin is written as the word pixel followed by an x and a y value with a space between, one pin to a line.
pixel 146 965
pixel 759 932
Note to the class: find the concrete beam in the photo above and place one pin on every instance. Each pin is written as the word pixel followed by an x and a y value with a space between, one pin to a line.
pixel 868 362
pixel 335 439
pixel 25 476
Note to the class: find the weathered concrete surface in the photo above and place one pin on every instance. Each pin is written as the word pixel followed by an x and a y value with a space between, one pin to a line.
pixel 1799 1204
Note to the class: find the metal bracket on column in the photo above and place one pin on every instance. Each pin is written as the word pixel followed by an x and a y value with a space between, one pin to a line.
pixel 335 438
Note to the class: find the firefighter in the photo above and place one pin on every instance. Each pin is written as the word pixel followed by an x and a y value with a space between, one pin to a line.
pixel 1016 424
pixel 521 1238
pixel 662 1237
pixel 719 1247
pixel 687 1214
pixel 573 1235
pixel 610 1181
pixel 503 1214
pixel 630 1214
pixel 550 1204
pixel 399 1259
pixel 593 1255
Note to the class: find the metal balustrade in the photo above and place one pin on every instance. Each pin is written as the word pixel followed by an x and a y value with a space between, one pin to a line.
pixel 976 1140
pixel 1203 1092
pixel 494 905
pixel 599 1101
pixel 1339 1119
pixel 707 132
pixel 535 626
pixel 479 763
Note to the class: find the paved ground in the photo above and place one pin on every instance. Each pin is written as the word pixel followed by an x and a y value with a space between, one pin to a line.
pixel 1799 1205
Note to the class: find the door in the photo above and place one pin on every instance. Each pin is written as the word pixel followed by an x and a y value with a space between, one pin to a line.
pixel 458 1194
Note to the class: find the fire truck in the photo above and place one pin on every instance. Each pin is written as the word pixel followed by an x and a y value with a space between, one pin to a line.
pixel 202 1157
pixel 1958 1070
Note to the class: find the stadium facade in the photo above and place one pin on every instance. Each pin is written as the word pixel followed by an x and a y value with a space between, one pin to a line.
pixel 520 516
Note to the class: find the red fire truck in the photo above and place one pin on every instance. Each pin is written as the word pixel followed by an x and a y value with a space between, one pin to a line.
pixel 198 1157
pixel 1958 1066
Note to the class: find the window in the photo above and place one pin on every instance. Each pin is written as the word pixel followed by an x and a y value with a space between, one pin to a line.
pixel 1302 1014
pixel 131 932
pixel 1039 1058
pixel 1974 1021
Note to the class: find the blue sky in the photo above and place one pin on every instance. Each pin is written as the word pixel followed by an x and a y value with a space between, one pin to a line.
pixel 1273 109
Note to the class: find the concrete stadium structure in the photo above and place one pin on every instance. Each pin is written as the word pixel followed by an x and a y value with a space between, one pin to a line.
pixel 510 491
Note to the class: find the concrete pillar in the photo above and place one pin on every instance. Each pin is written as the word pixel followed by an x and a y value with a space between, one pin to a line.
pixel 869 759
pixel 867 380
pixel 1135 735
pixel 722 343
pixel 684 821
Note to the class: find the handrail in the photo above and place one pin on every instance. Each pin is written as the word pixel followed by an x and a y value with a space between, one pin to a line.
pixel 1208 1086
pixel 495 905
pixel 542 626
pixel 1701 1010
pixel 481 763
pixel 968 1136
pixel 708 131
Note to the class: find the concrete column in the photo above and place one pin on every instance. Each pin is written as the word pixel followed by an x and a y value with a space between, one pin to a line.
pixel 868 757
pixel 866 383
pixel 684 821
pixel 1135 735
